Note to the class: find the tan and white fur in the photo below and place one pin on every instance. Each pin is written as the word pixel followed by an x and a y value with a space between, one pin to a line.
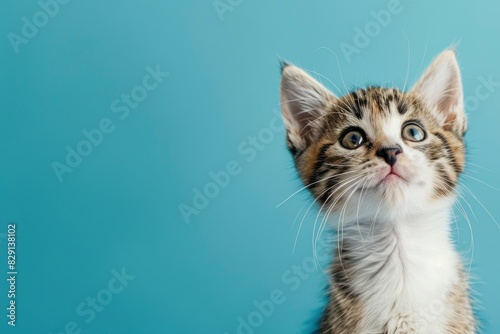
pixel 387 186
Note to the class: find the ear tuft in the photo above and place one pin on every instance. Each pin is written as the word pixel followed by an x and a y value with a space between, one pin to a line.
pixel 283 64
pixel 303 101
pixel 440 88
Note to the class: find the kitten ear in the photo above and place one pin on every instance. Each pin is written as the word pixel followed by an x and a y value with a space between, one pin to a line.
pixel 440 88
pixel 303 101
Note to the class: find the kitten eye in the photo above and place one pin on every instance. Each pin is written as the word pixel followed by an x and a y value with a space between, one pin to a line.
pixel 352 139
pixel 413 132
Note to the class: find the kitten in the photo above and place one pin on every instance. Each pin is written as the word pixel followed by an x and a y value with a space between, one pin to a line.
pixel 387 162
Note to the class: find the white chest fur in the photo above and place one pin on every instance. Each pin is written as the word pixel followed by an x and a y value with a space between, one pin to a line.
pixel 402 272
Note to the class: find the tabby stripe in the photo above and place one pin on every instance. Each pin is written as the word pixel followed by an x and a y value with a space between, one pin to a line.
pixel 388 101
pixel 380 101
pixel 326 191
pixel 357 105
pixel 447 179
pixel 402 107
pixel 449 152
pixel 320 160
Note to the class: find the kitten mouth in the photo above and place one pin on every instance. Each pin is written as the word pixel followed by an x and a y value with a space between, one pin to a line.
pixel 393 175
pixel 391 178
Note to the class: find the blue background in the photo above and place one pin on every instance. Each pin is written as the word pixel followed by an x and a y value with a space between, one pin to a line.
pixel 119 208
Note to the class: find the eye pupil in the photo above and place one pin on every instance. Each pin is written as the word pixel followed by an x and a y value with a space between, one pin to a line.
pixel 413 132
pixel 352 139
pixel 355 138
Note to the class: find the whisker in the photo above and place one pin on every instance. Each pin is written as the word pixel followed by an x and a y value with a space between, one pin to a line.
pixel 308 209
pixel 338 63
pixel 482 182
pixel 409 61
pixel 479 166
pixel 479 202
pixel 339 187
pixel 310 184
pixel 330 209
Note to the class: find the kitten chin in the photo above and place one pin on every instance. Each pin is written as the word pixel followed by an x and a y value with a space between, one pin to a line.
pixel 384 165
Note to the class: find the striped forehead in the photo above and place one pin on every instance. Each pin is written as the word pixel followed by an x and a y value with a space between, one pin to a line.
pixel 385 124
pixel 376 101
pixel 379 112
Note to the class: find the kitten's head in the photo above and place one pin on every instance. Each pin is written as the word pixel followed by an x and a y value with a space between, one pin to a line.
pixel 382 148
